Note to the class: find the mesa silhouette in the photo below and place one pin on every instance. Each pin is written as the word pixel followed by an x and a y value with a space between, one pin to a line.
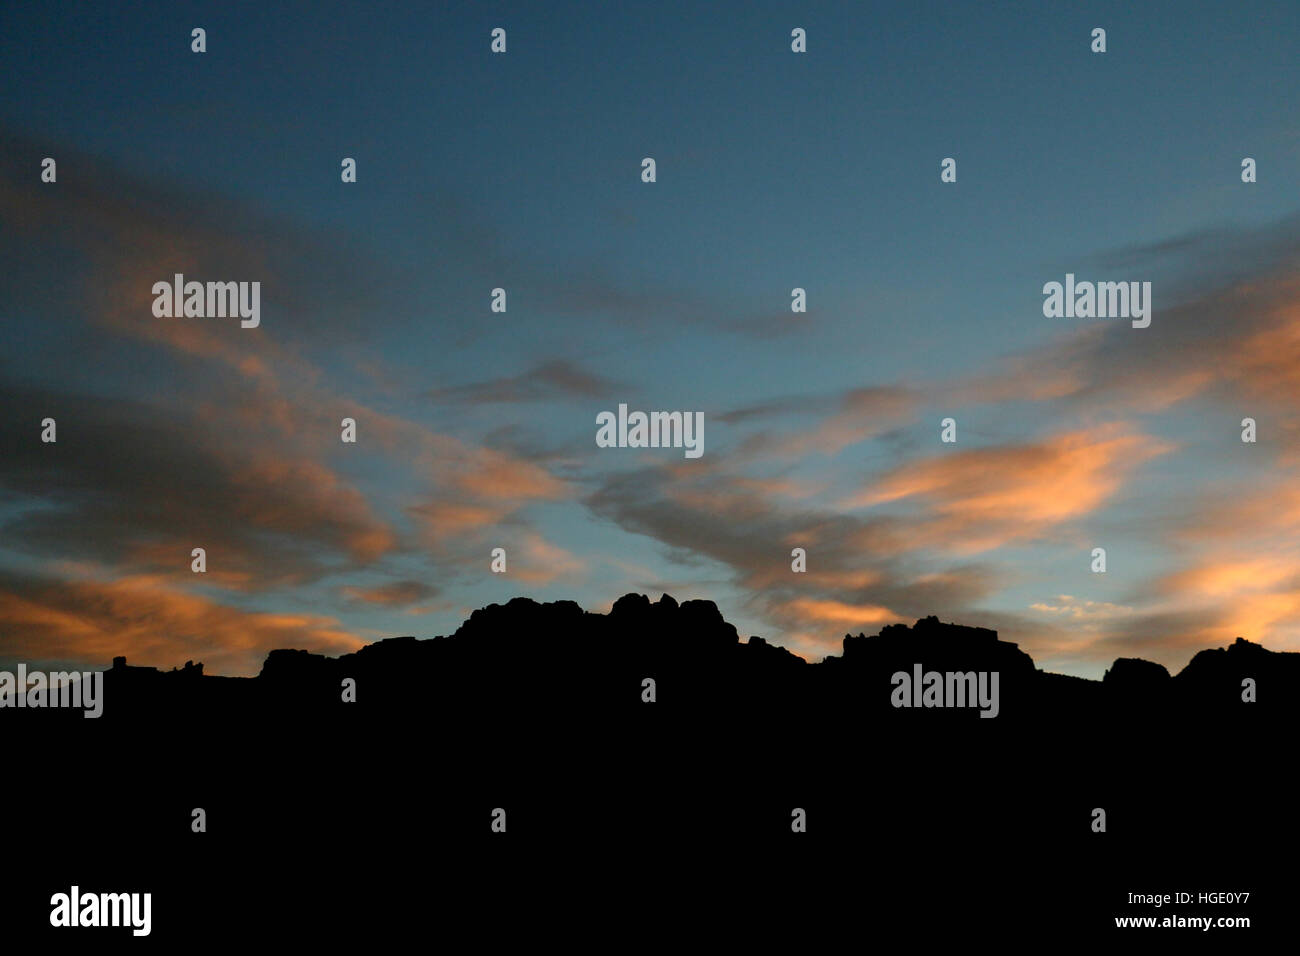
pixel 557 661
pixel 539 709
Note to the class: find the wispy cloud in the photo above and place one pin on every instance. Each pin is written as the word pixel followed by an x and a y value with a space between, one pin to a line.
pixel 553 379
pixel 152 622
pixel 979 499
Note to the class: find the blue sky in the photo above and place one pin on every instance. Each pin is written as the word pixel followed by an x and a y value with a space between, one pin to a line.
pixel 522 170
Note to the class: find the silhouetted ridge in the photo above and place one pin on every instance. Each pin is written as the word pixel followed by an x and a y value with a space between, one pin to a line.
pixel 556 660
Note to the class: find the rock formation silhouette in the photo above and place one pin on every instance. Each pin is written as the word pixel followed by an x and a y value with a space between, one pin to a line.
pixel 556 660
pixel 657 810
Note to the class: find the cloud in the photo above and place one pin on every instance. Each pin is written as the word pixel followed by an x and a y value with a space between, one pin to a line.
pixel 979 499
pixel 1228 577
pixel 1234 341
pixel 1081 609
pixel 128 230
pixel 860 570
pixel 837 612
pixel 539 562
pixel 138 484
pixel 847 418
pixel 151 622
pixel 232 441
pixel 554 379
pixel 394 594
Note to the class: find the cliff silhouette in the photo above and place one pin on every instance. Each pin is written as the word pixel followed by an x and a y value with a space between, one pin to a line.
pixel 555 659
pixel 334 817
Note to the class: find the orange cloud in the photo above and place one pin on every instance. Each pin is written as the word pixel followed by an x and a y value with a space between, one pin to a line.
pixel 1259 511
pixel 317 496
pixel 260 409
pixel 981 499
pixel 154 624
pixel 1241 340
pixel 1230 578
pixel 836 612
pixel 444 519
pixel 396 594
pixel 540 562
pixel 497 476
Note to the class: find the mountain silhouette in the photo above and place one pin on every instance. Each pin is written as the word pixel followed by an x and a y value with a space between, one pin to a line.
pixel 657 810
pixel 557 660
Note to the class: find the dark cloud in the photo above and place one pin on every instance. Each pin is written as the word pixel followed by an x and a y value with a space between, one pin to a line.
pixel 1236 339
pixel 847 418
pixel 84 620
pixel 113 222
pixel 139 485
pixel 554 379
pixel 859 573
pixel 395 594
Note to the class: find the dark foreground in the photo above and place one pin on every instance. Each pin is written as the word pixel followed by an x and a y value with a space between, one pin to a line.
pixel 629 823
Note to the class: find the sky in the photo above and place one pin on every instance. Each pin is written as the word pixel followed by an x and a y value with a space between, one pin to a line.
pixel 522 170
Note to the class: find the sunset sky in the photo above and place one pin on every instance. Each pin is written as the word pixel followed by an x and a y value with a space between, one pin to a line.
pixel 775 170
